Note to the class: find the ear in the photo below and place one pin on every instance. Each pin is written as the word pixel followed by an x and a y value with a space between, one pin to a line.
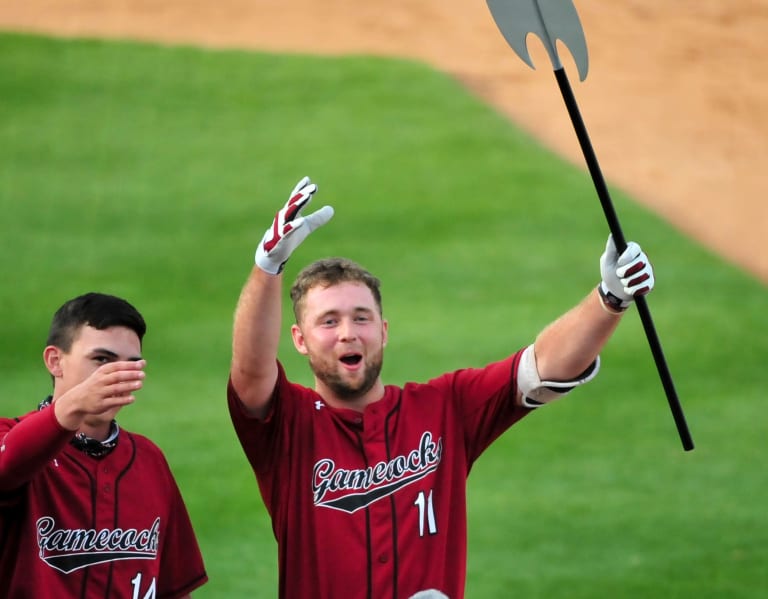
pixel 52 357
pixel 298 340
pixel 384 332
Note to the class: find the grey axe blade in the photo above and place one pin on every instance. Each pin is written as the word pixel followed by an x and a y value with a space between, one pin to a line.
pixel 550 20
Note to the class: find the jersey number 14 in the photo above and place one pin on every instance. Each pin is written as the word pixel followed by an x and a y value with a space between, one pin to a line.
pixel 151 591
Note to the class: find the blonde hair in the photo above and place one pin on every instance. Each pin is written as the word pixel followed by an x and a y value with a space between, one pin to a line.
pixel 328 272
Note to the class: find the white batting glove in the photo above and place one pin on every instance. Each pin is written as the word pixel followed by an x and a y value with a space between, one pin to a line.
pixel 290 228
pixel 625 277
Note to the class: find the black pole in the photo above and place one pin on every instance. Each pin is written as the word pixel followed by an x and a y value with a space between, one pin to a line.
pixel 621 245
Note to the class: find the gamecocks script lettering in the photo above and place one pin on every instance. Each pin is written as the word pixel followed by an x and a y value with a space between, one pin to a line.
pixel 68 549
pixel 350 490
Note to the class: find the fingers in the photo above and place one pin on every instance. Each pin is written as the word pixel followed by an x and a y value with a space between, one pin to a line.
pixel 640 285
pixel 288 217
pixel 319 218
pixel 304 181
pixel 636 276
pixel 125 368
pixel 304 225
pixel 110 386
pixel 298 200
pixel 114 384
pixel 629 255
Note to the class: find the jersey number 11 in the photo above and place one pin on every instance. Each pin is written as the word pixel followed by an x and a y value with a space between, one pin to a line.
pixel 426 513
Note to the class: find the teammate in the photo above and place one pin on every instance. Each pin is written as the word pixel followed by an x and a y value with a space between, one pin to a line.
pixel 366 482
pixel 88 509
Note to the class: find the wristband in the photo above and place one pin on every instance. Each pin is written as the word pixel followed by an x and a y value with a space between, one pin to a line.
pixel 610 302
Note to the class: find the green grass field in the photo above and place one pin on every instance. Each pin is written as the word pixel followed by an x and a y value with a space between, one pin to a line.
pixel 151 173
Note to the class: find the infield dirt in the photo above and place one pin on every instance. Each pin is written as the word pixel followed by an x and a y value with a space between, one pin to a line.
pixel 676 101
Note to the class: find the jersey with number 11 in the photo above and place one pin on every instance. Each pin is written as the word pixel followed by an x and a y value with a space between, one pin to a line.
pixel 373 504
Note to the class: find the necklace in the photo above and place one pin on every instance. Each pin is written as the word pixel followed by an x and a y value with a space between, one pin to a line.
pixel 89 445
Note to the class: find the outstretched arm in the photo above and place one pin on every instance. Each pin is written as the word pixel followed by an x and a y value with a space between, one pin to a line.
pixel 569 345
pixel 567 348
pixel 258 316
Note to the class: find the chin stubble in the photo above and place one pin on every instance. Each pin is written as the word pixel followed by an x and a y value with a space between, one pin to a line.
pixel 344 390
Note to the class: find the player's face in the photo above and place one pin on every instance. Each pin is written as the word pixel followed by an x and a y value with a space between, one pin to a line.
pixel 343 335
pixel 90 349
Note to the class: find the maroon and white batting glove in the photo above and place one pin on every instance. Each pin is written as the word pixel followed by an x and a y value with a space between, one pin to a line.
pixel 625 277
pixel 290 228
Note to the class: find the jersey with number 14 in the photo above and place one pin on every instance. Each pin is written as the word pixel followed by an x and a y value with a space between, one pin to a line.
pixel 115 527
pixel 373 504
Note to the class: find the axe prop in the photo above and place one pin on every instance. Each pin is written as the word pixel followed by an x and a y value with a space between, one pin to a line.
pixel 553 20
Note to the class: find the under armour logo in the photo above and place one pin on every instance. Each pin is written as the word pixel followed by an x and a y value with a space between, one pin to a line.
pixel 318 404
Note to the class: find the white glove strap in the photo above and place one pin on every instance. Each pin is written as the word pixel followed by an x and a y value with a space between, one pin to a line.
pixel 537 392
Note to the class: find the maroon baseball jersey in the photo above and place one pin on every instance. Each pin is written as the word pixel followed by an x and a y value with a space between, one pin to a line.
pixel 75 526
pixel 373 505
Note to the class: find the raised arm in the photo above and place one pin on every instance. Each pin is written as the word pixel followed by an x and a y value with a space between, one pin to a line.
pixel 567 349
pixel 258 316
pixel 255 338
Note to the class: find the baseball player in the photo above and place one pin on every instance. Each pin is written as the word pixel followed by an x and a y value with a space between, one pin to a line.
pixel 366 482
pixel 88 509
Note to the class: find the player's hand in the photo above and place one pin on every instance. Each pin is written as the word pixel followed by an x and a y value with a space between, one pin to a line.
pixel 110 386
pixel 290 228
pixel 625 277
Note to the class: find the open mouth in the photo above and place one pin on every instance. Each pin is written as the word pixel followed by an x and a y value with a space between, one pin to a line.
pixel 351 359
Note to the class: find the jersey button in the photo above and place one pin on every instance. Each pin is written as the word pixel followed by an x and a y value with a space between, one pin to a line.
pixel 383 558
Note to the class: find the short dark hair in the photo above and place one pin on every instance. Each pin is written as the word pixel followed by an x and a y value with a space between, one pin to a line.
pixel 328 272
pixel 97 310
